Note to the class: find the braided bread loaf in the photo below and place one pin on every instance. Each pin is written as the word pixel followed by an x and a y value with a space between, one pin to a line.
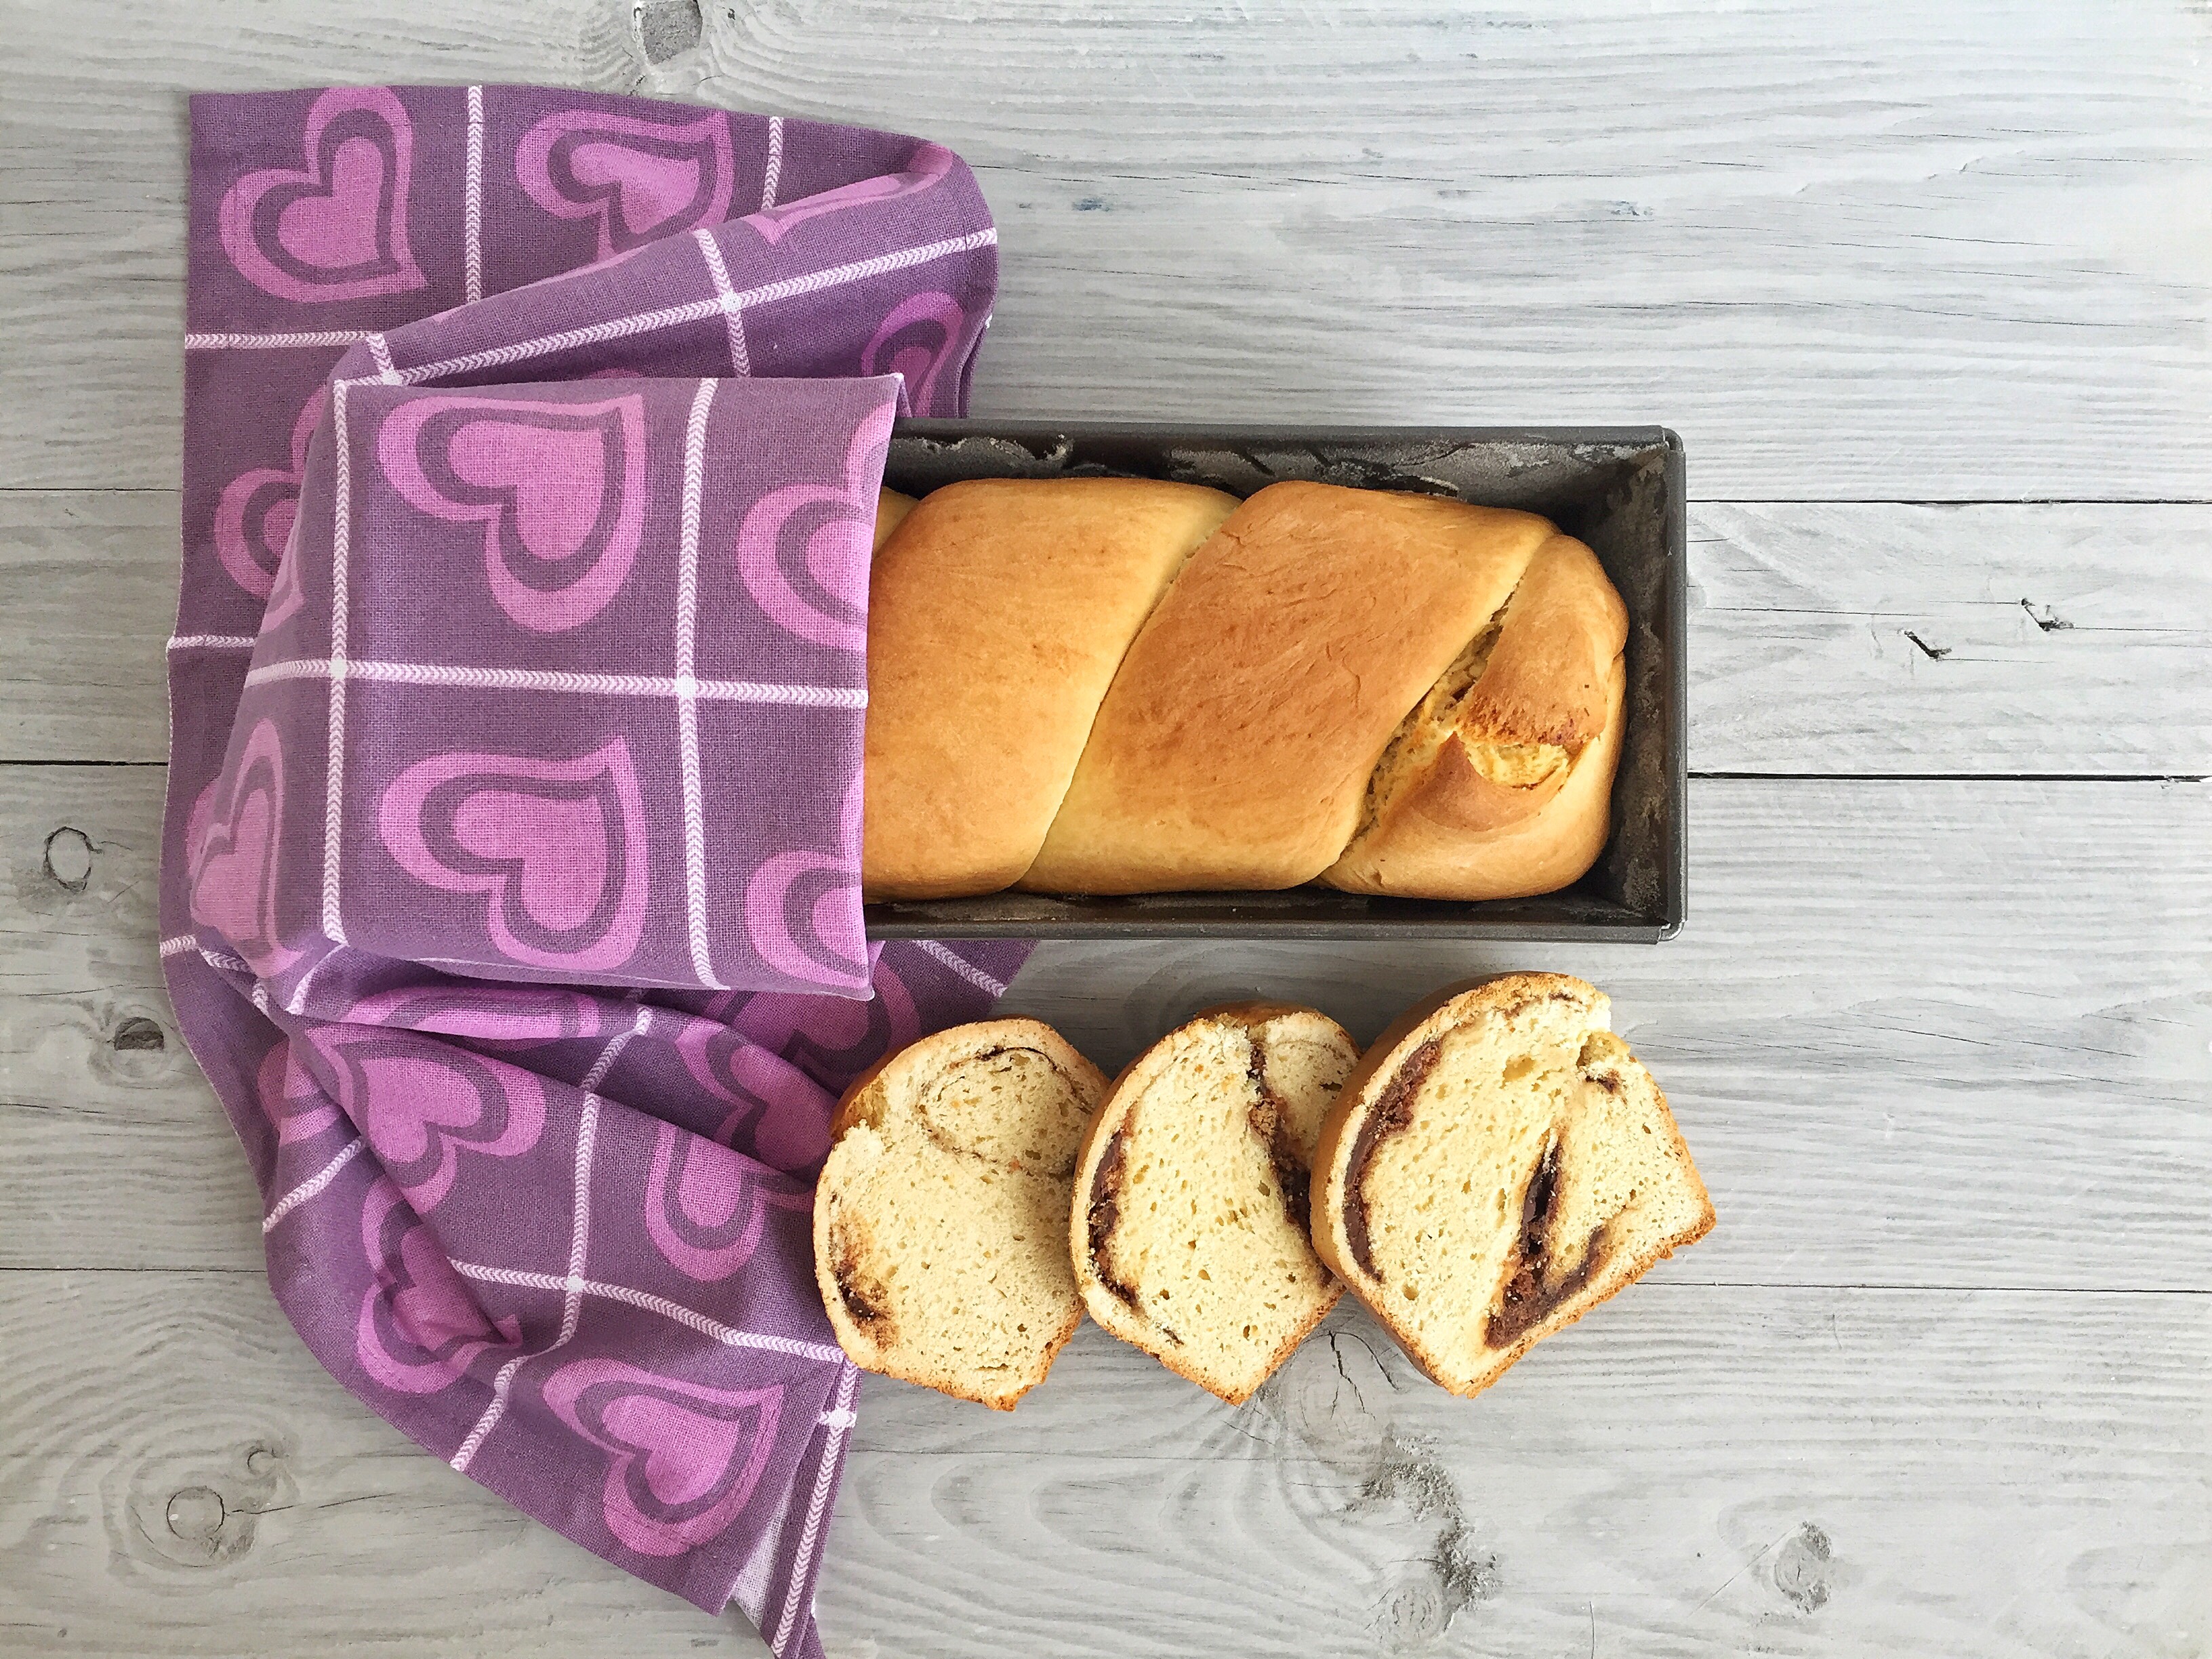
pixel 1114 685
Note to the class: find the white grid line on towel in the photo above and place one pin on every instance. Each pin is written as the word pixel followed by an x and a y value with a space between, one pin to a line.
pixel 223 962
pixel 645 322
pixel 687 694
pixel 211 642
pixel 336 337
pixel 815 1505
pixel 579 1240
pixel 545 679
pixel 297 1003
pixel 314 1184
pixel 472 201
pixel 772 175
pixel 728 1336
pixel 334 763
pixel 587 1132
pixel 179 946
pixel 740 362
pixel 379 351
pixel 960 966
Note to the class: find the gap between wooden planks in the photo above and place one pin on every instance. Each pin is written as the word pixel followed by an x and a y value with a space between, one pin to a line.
pixel 1826 639
pixel 1923 252
pixel 1691 1470
pixel 1931 1033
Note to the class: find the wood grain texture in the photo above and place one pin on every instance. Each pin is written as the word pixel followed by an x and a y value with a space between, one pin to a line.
pixel 88 595
pixel 1941 1382
pixel 216 1493
pixel 1916 1033
pixel 1689 1471
pixel 1824 249
pixel 2053 639
pixel 92 147
pixel 2048 638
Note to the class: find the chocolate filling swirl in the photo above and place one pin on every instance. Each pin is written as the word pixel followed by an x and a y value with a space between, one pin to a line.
pixel 1392 1111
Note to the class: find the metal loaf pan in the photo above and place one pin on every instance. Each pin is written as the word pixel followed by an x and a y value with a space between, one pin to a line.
pixel 1620 490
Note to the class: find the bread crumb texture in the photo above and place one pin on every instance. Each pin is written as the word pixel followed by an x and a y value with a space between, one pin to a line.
pixel 941 1214
pixel 1536 1172
pixel 1196 1244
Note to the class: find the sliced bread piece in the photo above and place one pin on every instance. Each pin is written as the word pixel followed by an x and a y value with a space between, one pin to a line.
pixel 1192 1238
pixel 941 1216
pixel 1500 1164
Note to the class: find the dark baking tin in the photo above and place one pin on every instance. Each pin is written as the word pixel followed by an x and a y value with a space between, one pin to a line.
pixel 1619 488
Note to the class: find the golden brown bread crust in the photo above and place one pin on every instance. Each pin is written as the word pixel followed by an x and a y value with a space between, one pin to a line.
pixel 1455 835
pixel 954 1044
pixel 998 613
pixel 891 509
pixel 1235 747
pixel 1108 1121
pixel 1424 1022
pixel 1454 819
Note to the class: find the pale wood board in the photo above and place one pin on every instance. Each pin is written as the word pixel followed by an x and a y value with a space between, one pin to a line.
pixel 2054 639
pixel 1942 1380
pixel 1689 1471
pixel 1821 244
pixel 1930 1032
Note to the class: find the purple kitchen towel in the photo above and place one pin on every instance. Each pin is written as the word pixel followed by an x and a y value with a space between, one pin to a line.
pixel 510 887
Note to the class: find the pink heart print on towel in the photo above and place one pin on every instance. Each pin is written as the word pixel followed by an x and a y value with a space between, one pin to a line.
pixel 557 848
pixel 418 1327
pixel 253 520
pixel 829 1044
pixel 520 928
pixel 559 489
pixel 705 1204
pixel 914 342
pixel 777 1113
pixel 232 841
pixel 929 165
pixel 335 228
pixel 420 1104
pixel 639 180
pixel 683 1458
pixel 294 1101
pixel 523 1016
pixel 804 549
pixel 797 909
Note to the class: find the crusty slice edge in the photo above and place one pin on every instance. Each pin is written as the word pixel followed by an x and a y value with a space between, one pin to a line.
pixel 1107 1311
pixel 862 1104
pixel 1339 1132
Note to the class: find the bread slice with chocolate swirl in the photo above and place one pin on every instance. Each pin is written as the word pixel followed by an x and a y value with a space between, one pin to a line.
pixel 941 1216
pixel 1498 1165
pixel 1190 1235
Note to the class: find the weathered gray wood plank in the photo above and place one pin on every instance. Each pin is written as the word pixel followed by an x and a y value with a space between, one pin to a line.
pixel 1824 254
pixel 2053 638
pixel 1918 1033
pixel 1926 639
pixel 1691 1470
pixel 93 139
pixel 88 595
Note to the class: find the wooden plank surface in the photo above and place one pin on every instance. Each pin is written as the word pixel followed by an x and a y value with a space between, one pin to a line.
pixel 1884 1079
pixel 88 589
pixel 1822 246
pixel 1689 1471
pixel 1940 1027
pixel 1833 638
